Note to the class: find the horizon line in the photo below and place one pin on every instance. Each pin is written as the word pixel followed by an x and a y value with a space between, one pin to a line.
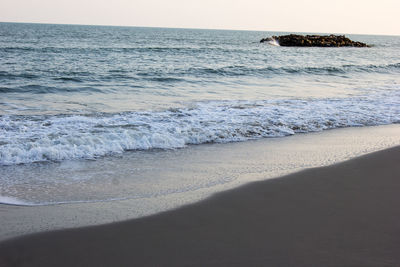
pixel 193 28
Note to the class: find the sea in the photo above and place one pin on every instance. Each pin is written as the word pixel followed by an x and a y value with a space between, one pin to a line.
pixel 93 113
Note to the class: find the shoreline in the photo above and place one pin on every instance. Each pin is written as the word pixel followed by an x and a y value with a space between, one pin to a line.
pixel 240 163
pixel 339 215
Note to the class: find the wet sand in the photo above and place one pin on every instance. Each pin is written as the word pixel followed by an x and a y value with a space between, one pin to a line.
pixel 342 215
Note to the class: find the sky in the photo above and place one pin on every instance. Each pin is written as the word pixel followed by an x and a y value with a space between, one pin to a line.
pixel 322 16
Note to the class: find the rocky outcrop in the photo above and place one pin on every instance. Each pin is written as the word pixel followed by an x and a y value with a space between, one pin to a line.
pixel 313 40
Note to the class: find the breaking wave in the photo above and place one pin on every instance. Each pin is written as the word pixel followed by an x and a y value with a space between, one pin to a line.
pixel 27 139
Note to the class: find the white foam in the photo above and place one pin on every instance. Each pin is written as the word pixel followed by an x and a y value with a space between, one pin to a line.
pixel 273 42
pixel 27 139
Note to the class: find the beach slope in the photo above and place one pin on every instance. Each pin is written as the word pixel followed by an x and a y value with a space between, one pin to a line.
pixel 342 215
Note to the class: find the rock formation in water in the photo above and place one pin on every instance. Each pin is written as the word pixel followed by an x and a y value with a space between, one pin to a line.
pixel 313 40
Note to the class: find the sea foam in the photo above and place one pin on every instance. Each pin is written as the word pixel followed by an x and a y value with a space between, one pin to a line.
pixel 27 139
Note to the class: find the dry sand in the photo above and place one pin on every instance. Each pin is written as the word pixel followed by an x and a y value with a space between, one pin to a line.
pixel 342 215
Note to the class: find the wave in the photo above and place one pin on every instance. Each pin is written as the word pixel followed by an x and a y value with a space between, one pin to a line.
pixel 139 77
pixel 72 79
pixel 4 75
pixel 140 49
pixel 176 75
pixel 27 139
pixel 40 89
pixel 243 70
pixel 61 75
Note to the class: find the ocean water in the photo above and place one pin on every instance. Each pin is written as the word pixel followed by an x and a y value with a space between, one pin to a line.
pixel 71 95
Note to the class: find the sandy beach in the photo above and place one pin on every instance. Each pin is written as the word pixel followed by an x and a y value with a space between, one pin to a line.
pixel 342 215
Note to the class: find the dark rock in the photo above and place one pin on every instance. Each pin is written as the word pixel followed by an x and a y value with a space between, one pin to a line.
pixel 314 40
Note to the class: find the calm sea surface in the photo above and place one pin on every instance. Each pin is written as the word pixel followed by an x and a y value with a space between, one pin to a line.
pixel 88 92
